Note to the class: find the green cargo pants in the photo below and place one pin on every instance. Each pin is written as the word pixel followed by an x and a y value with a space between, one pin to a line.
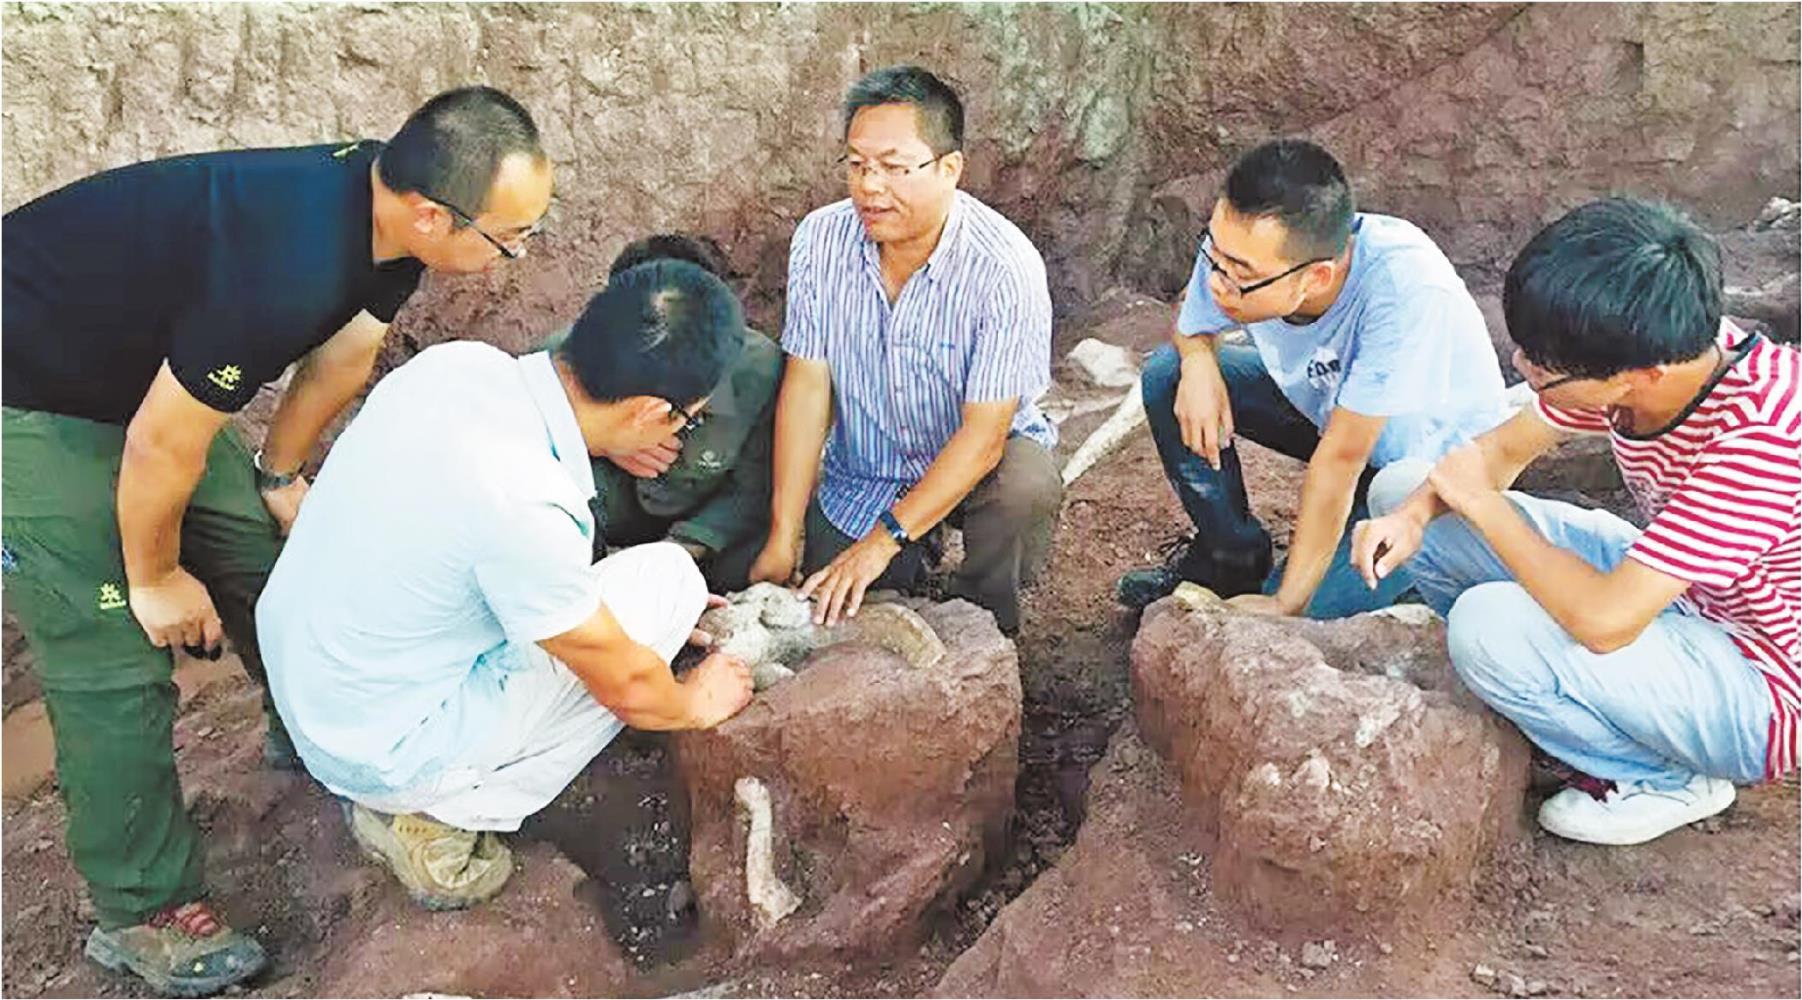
pixel 111 694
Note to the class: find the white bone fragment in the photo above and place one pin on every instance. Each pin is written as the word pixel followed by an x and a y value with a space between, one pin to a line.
pixel 771 900
pixel 1126 418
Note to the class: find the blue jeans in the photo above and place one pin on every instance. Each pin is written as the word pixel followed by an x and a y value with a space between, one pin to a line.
pixel 1678 701
pixel 1215 500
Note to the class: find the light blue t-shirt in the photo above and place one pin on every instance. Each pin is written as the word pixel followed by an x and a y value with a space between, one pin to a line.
pixel 1404 340
pixel 449 529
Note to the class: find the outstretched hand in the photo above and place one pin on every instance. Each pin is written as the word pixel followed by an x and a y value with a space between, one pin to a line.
pixel 837 590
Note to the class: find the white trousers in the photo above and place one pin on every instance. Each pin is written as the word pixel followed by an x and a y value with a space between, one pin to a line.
pixel 549 726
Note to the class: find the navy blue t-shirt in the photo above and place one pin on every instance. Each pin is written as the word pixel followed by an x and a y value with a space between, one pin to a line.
pixel 230 265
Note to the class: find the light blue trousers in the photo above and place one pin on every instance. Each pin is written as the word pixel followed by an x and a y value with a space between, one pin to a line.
pixel 1679 700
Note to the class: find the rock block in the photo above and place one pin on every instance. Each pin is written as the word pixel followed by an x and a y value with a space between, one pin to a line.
pixel 844 804
pixel 1347 774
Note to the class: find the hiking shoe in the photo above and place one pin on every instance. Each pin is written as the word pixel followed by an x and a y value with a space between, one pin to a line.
pixel 1632 813
pixel 182 951
pixel 441 867
pixel 1226 573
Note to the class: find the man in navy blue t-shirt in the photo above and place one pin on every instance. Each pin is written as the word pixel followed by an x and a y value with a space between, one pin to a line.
pixel 142 307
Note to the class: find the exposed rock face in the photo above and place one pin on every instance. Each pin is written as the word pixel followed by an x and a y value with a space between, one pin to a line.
pixel 887 786
pixel 1100 129
pixel 1348 775
pixel 1764 288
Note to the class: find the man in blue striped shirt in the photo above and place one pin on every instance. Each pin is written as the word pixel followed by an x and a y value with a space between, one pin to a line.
pixel 919 341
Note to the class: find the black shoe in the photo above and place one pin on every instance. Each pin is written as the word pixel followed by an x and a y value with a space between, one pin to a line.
pixel 1138 588
pixel 1226 573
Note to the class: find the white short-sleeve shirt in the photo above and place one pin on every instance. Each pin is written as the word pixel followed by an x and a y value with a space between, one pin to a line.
pixel 449 528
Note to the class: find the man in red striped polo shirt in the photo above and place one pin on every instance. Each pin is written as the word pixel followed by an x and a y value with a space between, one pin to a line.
pixel 1659 663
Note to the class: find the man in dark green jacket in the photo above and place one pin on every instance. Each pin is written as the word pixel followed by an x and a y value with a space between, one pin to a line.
pixel 707 488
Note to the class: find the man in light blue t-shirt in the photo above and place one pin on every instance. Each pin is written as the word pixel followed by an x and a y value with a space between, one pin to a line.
pixel 1364 348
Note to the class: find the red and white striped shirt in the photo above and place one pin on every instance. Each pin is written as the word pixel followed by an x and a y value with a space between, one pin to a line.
pixel 1722 491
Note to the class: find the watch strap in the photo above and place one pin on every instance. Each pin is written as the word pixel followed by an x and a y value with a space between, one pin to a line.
pixel 898 533
pixel 267 480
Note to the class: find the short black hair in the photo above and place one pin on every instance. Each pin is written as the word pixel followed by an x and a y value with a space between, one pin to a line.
pixel 1614 285
pixel 940 113
pixel 452 147
pixel 697 250
pixel 1300 185
pixel 665 328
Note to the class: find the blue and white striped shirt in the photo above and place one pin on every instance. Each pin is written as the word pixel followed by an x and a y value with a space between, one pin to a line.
pixel 972 325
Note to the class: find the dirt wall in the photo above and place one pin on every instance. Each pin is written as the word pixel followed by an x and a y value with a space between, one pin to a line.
pixel 1100 129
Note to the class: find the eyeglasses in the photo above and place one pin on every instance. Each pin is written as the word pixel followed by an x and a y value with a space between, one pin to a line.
pixel 887 171
pixel 1555 383
pixel 689 420
pixel 1521 356
pixel 468 220
pixel 1238 290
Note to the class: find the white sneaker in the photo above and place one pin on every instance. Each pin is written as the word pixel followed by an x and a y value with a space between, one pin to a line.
pixel 1633 813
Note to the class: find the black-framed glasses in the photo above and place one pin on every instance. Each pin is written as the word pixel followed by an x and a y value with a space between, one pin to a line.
pixel 887 171
pixel 1553 384
pixel 689 420
pixel 469 220
pixel 1207 240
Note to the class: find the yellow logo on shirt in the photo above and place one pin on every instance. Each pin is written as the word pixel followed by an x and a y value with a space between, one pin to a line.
pixel 227 377
pixel 346 151
pixel 110 597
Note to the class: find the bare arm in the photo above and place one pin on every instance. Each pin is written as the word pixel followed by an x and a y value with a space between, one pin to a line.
pixel 165 455
pixel 1327 492
pixel 1204 413
pixel 972 453
pixel 325 381
pixel 635 684
pixel 1507 451
pixel 1602 611
pixel 1381 545
pixel 803 417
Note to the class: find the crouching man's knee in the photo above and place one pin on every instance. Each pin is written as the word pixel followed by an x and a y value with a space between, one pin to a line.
pixel 656 592
pixel 1391 486
pixel 1490 635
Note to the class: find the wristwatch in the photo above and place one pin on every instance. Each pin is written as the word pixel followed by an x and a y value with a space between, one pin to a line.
pixel 267 480
pixel 895 531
